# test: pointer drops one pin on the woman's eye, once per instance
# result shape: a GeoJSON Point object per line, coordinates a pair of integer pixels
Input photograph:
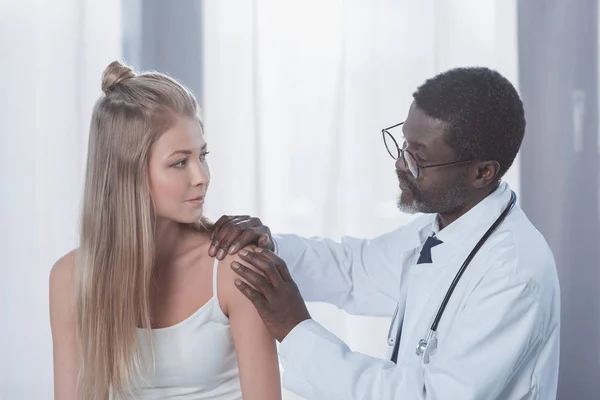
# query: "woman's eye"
{"type": "Point", "coordinates": [179, 164]}
{"type": "Point", "coordinates": [203, 156]}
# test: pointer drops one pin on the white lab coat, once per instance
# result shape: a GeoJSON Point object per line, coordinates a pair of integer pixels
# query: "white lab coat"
{"type": "Point", "coordinates": [498, 337]}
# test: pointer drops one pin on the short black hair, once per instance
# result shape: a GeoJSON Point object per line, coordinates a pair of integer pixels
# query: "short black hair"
{"type": "Point", "coordinates": [482, 110]}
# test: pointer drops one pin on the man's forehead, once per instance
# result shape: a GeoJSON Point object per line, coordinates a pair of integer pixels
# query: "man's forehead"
{"type": "Point", "coordinates": [427, 134]}
{"type": "Point", "coordinates": [422, 129]}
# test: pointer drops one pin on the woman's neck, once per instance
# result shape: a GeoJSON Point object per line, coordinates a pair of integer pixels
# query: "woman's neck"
{"type": "Point", "coordinates": [167, 237]}
{"type": "Point", "coordinates": [172, 240]}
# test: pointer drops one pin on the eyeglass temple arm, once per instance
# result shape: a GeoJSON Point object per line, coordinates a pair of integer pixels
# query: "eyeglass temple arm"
{"type": "Point", "coordinates": [449, 163]}
{"type": "Point", "coordinates": [393, 126]}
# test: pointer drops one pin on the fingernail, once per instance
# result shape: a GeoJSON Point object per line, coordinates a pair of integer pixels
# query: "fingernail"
{"type": "Point", "coordinates": [244, 253]}
{"type": "Point", "coordinates": [233, 249]}
{"type": "Point", "coordinates": [220, 254]}
{"type": "Point", "coordinates": [259, 249]}
{"type": "Point", "coordinates": [238, 282]}
{"type": "Point", "coordinates": [212, 249]}
{"type": "Point", "coordinates": [235, 265]}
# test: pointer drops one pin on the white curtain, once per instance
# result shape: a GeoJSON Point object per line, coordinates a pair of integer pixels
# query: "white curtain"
{"type": "Point", "coordinates": [296, 94]}
{"type": "Point", "coordinates": [53, 53]}
{"type": "Point", "coordinates": [295, 97]}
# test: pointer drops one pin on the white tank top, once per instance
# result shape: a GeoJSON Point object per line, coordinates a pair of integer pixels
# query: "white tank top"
{"type": "Point", "coordinates": [194, 359]}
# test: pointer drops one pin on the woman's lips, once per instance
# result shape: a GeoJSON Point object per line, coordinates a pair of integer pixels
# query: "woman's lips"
{"type": "Point", "coordinates": [197, 200]}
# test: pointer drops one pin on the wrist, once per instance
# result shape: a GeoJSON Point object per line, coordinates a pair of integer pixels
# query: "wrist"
{"type": "Point", "coordinates": [293, 326]}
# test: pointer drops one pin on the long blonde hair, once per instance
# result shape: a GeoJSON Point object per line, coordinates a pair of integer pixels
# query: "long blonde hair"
{"type": "Point", "coordinates": [116, 253]}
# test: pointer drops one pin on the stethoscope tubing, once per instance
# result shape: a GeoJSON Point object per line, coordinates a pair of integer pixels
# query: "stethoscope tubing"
{"type": "Point", "coordinates": [484, 238]}
{"type": "Point", "coordinates": [480, 243]}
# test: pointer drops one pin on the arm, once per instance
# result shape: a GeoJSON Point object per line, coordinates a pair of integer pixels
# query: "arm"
{"type": "Point", "coordinates": [501, 329]}
{"type": "Point", "coordinates": [62, 323]}
{"type": "Point", "coordinates": [358, 275]}
{"type": "Point", "coordinates": [255, 347]}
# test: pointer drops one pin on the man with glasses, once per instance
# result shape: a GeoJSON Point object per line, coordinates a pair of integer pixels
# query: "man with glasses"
{"type": "Point", "coordinates": [471, 284]}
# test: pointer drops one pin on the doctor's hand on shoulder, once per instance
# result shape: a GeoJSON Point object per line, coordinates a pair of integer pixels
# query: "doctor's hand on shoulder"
{"type": "Point", "coordinates": [234, 232]}
{"type": "Point", "coordinates": [272, 290]}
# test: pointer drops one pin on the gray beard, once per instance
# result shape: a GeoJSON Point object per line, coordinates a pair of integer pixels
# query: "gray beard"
{"type": "Point", "coordinates": [412, 208]}
{"type": "Point", "coordinates": [447, 199]}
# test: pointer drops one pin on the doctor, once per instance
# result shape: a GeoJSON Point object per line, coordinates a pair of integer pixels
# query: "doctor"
{"type": "Point", "coordinates": [471, 284]}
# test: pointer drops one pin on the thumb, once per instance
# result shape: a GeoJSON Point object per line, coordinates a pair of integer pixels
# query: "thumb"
{"type": "Point", "coordinates": [265, 241]}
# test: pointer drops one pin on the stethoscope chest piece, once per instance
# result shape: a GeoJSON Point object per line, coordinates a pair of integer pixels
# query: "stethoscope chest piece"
{"type": "Point", "coordinates": [427, 345]}
{"type": "Point", "coordinates": [421, 347]}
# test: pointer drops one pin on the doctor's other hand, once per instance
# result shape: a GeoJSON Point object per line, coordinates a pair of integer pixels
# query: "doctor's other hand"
{"type": "Point", "coordinates": [273, 293]}
{"type": "Point", "coordinates": [234, 232]}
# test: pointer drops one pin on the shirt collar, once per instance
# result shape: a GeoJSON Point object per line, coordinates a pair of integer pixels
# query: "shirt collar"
{"type": "Point", "coordinates": [473, 224]}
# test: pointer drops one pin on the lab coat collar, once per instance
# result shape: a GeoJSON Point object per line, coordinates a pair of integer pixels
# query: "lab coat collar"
{"type": "Point", "coordinates": [473, 224]}
{"type": "Point", "coordinates": [421, 228]}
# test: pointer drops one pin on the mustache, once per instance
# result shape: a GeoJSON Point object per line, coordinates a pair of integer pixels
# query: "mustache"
{"type": "Point", "coordinates": [405, 179]}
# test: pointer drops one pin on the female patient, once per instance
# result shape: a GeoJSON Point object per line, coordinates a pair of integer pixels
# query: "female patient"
{"type": "Point", "coordinates": [139, 309]}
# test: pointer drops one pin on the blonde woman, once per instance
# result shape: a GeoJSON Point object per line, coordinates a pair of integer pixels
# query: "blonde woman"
{"type": "Point", "coordinates": [139, 309]}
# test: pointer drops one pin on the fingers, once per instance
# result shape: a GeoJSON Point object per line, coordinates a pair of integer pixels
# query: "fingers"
{"type": "Point", "coordinates": [221, 221]}
{"type": "Point", "coordinates": [216, 232]}
{"type": "Point", "coordinates": [266, 242]}
{"type": "Point", "coordinates": [246, 238]}
{"type": "Point", "coordinates": [232, 233]}
{"type": "Point", "coordinates": [224, 237]}
{"type": "Point", "coordinates": [264, 265]}
{"type": "Point", "coordinates": [254, 278]}
{"type": "Point", "coordinates": [277, 262]}
{"type": "Point", "coordinates": [259, 301]}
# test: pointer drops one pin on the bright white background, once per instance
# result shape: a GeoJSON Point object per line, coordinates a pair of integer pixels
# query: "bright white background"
{"type": "Point", "coordinates": [53, 53]}
{"type": "Point", "coordinates": [296, 94]}
{"type": "Point", "coordinates": [295, 99]}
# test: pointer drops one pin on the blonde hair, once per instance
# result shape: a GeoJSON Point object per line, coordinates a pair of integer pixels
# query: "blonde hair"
{"type": "Point", "coordinates": [116, 253]}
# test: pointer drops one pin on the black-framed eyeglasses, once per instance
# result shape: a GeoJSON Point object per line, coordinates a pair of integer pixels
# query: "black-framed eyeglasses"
{"type": "Point", "coordinates": [410, 162]}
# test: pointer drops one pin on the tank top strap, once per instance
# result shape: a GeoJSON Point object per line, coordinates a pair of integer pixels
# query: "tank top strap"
{"type": "Point", "coordinates": [215, 270]}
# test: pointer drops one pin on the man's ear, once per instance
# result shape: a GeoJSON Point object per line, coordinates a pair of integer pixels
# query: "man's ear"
{"type": "Point", "coordinates": [487, 171]}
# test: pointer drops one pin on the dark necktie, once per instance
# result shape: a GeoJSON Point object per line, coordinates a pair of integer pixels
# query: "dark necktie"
{"type": "Point", "coordinates": [425, 257]}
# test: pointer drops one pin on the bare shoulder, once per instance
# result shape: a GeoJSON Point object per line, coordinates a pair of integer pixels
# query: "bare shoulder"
{"type": "Point", "coordinates": [63, 327]}
{"type": "Point", "coordinates": [62, 273]}
{"type": "Point", "coordinates": [227, 271]}
{"type": "Point", "coordinates": [229, 295]}
{"type": "Point", "coordinates": [62, 287]}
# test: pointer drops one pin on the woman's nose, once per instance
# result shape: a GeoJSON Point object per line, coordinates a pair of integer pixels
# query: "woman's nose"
{"type": "Point", "coordinates": [199, 174]}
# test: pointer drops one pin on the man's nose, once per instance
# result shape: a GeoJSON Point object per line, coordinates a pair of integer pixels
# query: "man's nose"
{"type": "Point", "coordinates": [400, 163]}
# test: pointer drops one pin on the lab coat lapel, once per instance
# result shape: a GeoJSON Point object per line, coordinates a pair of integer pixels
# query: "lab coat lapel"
{"type": "Point", "coordinates": [428, 283]}
{"type": "Point", "coordinates": [411, 245]}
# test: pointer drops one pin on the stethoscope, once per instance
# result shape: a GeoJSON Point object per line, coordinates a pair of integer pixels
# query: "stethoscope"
{"type": "Point", "coordinates": [429, 343]}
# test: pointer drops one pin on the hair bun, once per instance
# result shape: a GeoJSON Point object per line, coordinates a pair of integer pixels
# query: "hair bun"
{"type": "Point", "coordinates": [115, 72]}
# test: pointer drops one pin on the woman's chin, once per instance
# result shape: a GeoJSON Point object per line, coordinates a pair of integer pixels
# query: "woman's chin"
{"type": "Point", "coordinates": [187, 218]}
{"type": "Point", "coordinates": [192, 219]}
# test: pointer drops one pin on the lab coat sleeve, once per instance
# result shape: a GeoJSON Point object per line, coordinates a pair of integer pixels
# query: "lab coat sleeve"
{"type": "Point", "coordinates": [360, 276]}
{"type": "Point", "coordinates": [496, 332]}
